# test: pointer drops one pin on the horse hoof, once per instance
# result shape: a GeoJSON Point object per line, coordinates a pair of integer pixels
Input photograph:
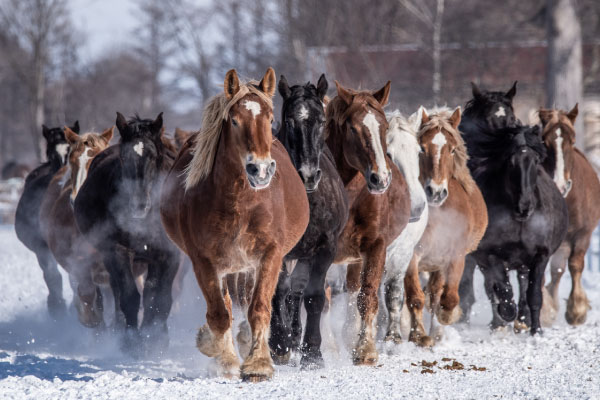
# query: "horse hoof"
{"type": "Point", "coordinates": [229, 366]}
{"type": "Point", "coordinates": [536, 331]}
{"type": "Point", "coordinates": [366, 355]}
{"type": "Point", "coordinates": [57, 307]}
{"type": "Point", "coordinates": [366, 360]}
{"type": "Point", "coordinates": [575, 318]}
{"type": "Point", "coordinates": [508, 311]}
{"type": "Point", "coordinates": [244, 339]}
{"type": "Point", "coordinates": [311, 359]}
{"type": "Point", "coordinates": [281, 359]}
{"type": "Point", "coordinates": [520, 327]}
{"type": "Point", "coordinates": [131, 343]}
{"type": "Point", "coordinates": [205, 342]}
{"type": "Point", "coordinates": [394, 338]}
{"type": "Point", "coordinates": [257, 370]}
{"type": "Point", "coordinates": [448, 317]}
{"type": "Point", "coordinates": [421, 340]}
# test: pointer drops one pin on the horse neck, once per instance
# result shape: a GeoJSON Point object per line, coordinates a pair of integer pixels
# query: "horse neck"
{"type": "Point", "coordinates": [227, 166]}
{"type": "Point", "coordinates": [336, 145]}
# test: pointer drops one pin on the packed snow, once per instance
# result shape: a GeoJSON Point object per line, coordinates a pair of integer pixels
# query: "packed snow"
{"type": "Point", "coordinates": [43, 359]}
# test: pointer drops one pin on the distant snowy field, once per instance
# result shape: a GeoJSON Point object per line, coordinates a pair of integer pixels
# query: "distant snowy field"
{"type": "Point", "coordinates": [40, 359]}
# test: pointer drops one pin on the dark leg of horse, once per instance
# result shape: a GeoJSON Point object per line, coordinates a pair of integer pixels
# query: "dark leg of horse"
{"type": "Point", "coordinates": [314, 302]}
{"type": "Point", "coordinates": [158, 298]}
{"type": "Point", "coordinates": [534, 291]}
{"type": "Point", "coordinates": [394, 300]}
{"type": "Point", "coordinates": [578, 304]}
{"type": "Point", "coordinates": [298, 282]}
{"type": "Point", "coordinates": [56, 303]}
{"type": "Point", "coordinates": [465, 289]}
{"type": "Point", "coordinates": [281, 331]}
{"type": "Point", "coordinates": [523, 321]}
{"type": "Point", "coordinates": [503, 292]}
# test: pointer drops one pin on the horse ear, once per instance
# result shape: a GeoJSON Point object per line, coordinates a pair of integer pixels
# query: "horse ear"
{"type": "Point", "coordinates": [75, 127]}
{"type": "Point", "coordinates": [383, 94]}
{"type": "Point", "coordinates": [45, 131]}
{"type": "Point", "coordinates": [416, 118]}
{"type": "Point", "coordinates": [424, 117]}
{"type": "Point", "coordinates": [181, 136]}
{"type": "Point", "coordinates": [512, 91]}
{"type": "Point", "coordinates": [232, 84]}
{"type": "Point", "coordinates": [108, 134]}
{"type": "Point", "coordinates": [573, 113]}
{"type": "Point", "coordinates": [455, 118]}
{"type": "Point", "coordinates": [121, 125]}
{"type": "Point", "coordinates": [284, 88]}
{"type": "Point", "coordinates": [545, 115]}
{"type": "Point", "coordinates": [70, 135]}
{"type": "Point", "coordinates": [475, 90]}
{"type": "Point", "coordinates": [158, 124]}
{"type": "Point", "coordinates": [322, 86]}
{"type": "Point", "coordinates": [267, 84]}
{"type": "Point", "coordinates": [344, 93]}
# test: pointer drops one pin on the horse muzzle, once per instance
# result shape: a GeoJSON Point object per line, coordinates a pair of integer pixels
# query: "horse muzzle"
{"type": "Point", "coordinates": [260, 172]}
{"type": "Point", "coordinates": [417, 212]}
{"type": "Point", "coordinates": [139, 209]}
{"type": "Point", "coordinates": [311, 181]}
{"type": "Point", "coordinates": [436, 195]}
{"type": "Point", "coordinates": [377, 183]}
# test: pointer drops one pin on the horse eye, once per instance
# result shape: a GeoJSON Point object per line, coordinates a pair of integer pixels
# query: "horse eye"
{"type": "Point", "coordinates": [453, 151]}
{"type": "Point", "coordinates": [234, 122]}
{"type": "Point", "coordinates": [422, 149]}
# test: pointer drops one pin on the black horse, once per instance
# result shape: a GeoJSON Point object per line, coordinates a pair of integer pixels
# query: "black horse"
{"type": "Point", "coordinates": [527, 217]}
{"type": "Point", "coordinates": [116, 210]}
{"type": "Point", "coordinates": [27, 221]}
{"type": "Point", "coordinates": [302, 134]}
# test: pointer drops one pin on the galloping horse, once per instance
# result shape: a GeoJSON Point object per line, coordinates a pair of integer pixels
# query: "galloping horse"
{"type": "Point", "coordinates": [27, 222]}
{"type": "Point", "coordinates": [380, 206]}
{"type": "Point", "coordinates": [58, 227]}
{"type": "Point", "coordinates": [457, 222]}
{"type": "Point", "coordinates": [234, 202]}
{"type": "Point", "coordinates": [578, 183]}
{"type": "Point", "coordinates": [302, 134]}
{"type": "Point", "coordinates": [528, 218]}
{"type": "Point", "coordinates": [404, 149]}
{"type": "Point", "coordinates": [117, 212]}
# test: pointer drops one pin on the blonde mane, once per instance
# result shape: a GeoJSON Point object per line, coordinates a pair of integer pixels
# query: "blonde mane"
{"type": "Point", "coordinates": [439, 118]}
{"type": "Point", "coordinates": [205, 144]}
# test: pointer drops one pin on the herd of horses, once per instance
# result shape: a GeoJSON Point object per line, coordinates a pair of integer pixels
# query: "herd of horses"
{"type": "Point", "coordinates": [411, 204]}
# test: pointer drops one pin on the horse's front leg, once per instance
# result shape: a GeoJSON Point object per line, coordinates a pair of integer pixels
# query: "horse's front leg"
{"type": "Point", "coordinates": [449, 312]}
{"type": "Point", "coordinates": [365, 352]}
{"type": "Point", "coordinates": [415, 299]}
{"type": "Point", "coordinates": [578, 304]}
{"type": "Point", "coordinates": [465, 289]}
{"type": "Point", "coordinates": [534, 291]}
{"type": "Point", "coordinates": [523, 321]}
{"type": "Point", "coordinates": [279, 341]}
{"type": "Point", "coordinates": [258, 366]}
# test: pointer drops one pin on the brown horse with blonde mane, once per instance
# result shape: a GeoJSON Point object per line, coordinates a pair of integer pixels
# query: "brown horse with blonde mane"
{"type": "Point", "coordinates": [379, 205]}
{"type": "Point", "coordinates": [234, 202]}
{"type": "Point", "coordinates": [57, 222]}
{"type": "Point", "coordinates": [578, 183]}
{"type": "Point", "coordinates": [457, 222]}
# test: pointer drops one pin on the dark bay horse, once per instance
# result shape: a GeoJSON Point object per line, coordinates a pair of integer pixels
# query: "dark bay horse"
{"type": "Point", "coordinates": [73, 253]}
{"type": "Point", "coordinates": [578, 182]}
{"type": "Point", "coordinates": [303, 135]}
{"type": "Point", "coordinates": [527, 217]}
{"type": "Point", "coordinates": [233, 202]}
{"type": "Point", "coordinates": [116, 210]}
{"type": "Point", "coordinates": [27, 223]}
{"type": "Point", "coordinates": [379, 203]}
{"type": "Point", "coordinates": [457, 221]}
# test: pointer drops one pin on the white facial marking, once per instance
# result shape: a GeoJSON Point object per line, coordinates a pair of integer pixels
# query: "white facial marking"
{"type": "Point", "coordinates": [82, 170]}
{"type": "Point", "coordinates": [500, 112]}
{"type": "Point", "coordinates": [372, 125]}
{"type": "Point", "coordinates": [439, 140]}
{"type": "Point", "coordinates": [559, 170]}
{"type": "Point", "coordinates": [253, 107]}
{"type": "Point", "coordinates": [62, 150]}
{"type": "Point", "coordinates": [139, 148]}
{"type": "Point", "coordinates": [303, 113]}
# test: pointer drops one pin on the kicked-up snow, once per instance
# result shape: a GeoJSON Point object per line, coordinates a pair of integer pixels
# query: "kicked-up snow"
{"type": "Point", "coordinates": [43, 359]}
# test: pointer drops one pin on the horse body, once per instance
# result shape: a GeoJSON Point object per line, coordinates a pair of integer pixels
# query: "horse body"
{"type": "Point", "coordinates": [27, 224]}
{"type": "Point", "coordinates": [457, 220]}
{"type": "Point", "coordinates": [379, 205]}
{"type": "Point", "coordinates": [302, 134]}
{"type": "Point", "coordinates": [116, 210]}
{"type": "Point", "coordinates": [578, 182]}
{"type": "Point", "coordinates": [59, 229]}
{"type": "Point", "coordinates": [231, 216]}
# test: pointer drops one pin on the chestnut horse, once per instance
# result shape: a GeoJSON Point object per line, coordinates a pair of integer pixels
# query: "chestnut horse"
{"type": "Point", "coordinates": [58, 227]}
{"type": "Point", "coordinates": [234, 202]}
{"type": "Point", "coordinates": [578, 183]}
{"type": "Point", "coordinates": [379, 205]}
{"type": "Point", "coordinates": [457, 222]}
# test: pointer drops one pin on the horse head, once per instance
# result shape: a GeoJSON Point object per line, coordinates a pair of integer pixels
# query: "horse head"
{"type": "Point", "coordinates": [495, 108]}
{"type": "Point", "coordinates": [302, 131]}
{"type": "Point", "coordinates": [57, 147]}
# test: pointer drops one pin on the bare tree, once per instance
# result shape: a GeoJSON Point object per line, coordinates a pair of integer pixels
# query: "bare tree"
{"type": "Point", "coordinates": [40, 26]}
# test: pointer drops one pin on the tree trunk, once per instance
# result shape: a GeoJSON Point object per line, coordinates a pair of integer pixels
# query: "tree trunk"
{"type": "Point", "coordinates": [564, 84]}
{"type": "Point", "coordinates": [38, 110]}
{"type": "Point", "coordinates": [437, 52]}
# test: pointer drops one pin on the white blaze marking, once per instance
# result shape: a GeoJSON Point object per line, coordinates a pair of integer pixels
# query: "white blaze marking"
{"type": "Point", "coordinates": [500, 112]}
{"type": "Point", "coordinates": [253, 107]}
{"type": "Point", "coordinates": [82, 171]}
{"type": "Point", "coordinates": [373, 127]}
{"type": "Point", "coordinates": [139, 148]}
{"type": "Point", "coordinates": [439, 140]}
{"type": "Point", "coordinates": [62, 150]}
{"type": "Point", "coordinates": [559, 171]}
{"type": "Point", "coordinates": [303, 113]}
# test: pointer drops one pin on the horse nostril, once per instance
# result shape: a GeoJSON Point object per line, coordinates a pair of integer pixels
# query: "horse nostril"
{"type": "Point", "coordinates": [428, 191]}
{"type": "Point", "coordinates": [444, 193]}
{"type": "Point", "coordinates": [375, 180]}
{"type": "Point", "coordinates": [318, 175]}
{"type": "Point", "coordinates": [251, 169]}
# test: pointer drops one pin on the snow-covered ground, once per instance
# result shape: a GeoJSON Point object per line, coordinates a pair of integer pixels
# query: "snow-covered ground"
{"type": "Point", "coordinates": [46, 360]}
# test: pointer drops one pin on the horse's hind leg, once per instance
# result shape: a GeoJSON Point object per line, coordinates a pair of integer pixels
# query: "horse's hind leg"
{"type": "Point", "coordinates": [523, 321]}
{"type": "Point", "coordinates": [558, 264]}
{"type": "Point", "coordinates": [258, 366]}
{"type": "Point", "coordinates": [56, 303]}
{"type": "Point", "coordinates": [416, 301]}
{"type": "Point", "coordinates": [465, 289]}
{"type": "Point", "coordinates": [578, 304]}
{"type": "Point", "coordinates": [298, 282]}
{"type": "Point", "coordinates": [435, 288]}
{"type": "Point", "coordinates": [279, 340]}
{"type": "Point", "coordinates": [449, 310]}
{"type": "Point", "coordinates": [394, 299]}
